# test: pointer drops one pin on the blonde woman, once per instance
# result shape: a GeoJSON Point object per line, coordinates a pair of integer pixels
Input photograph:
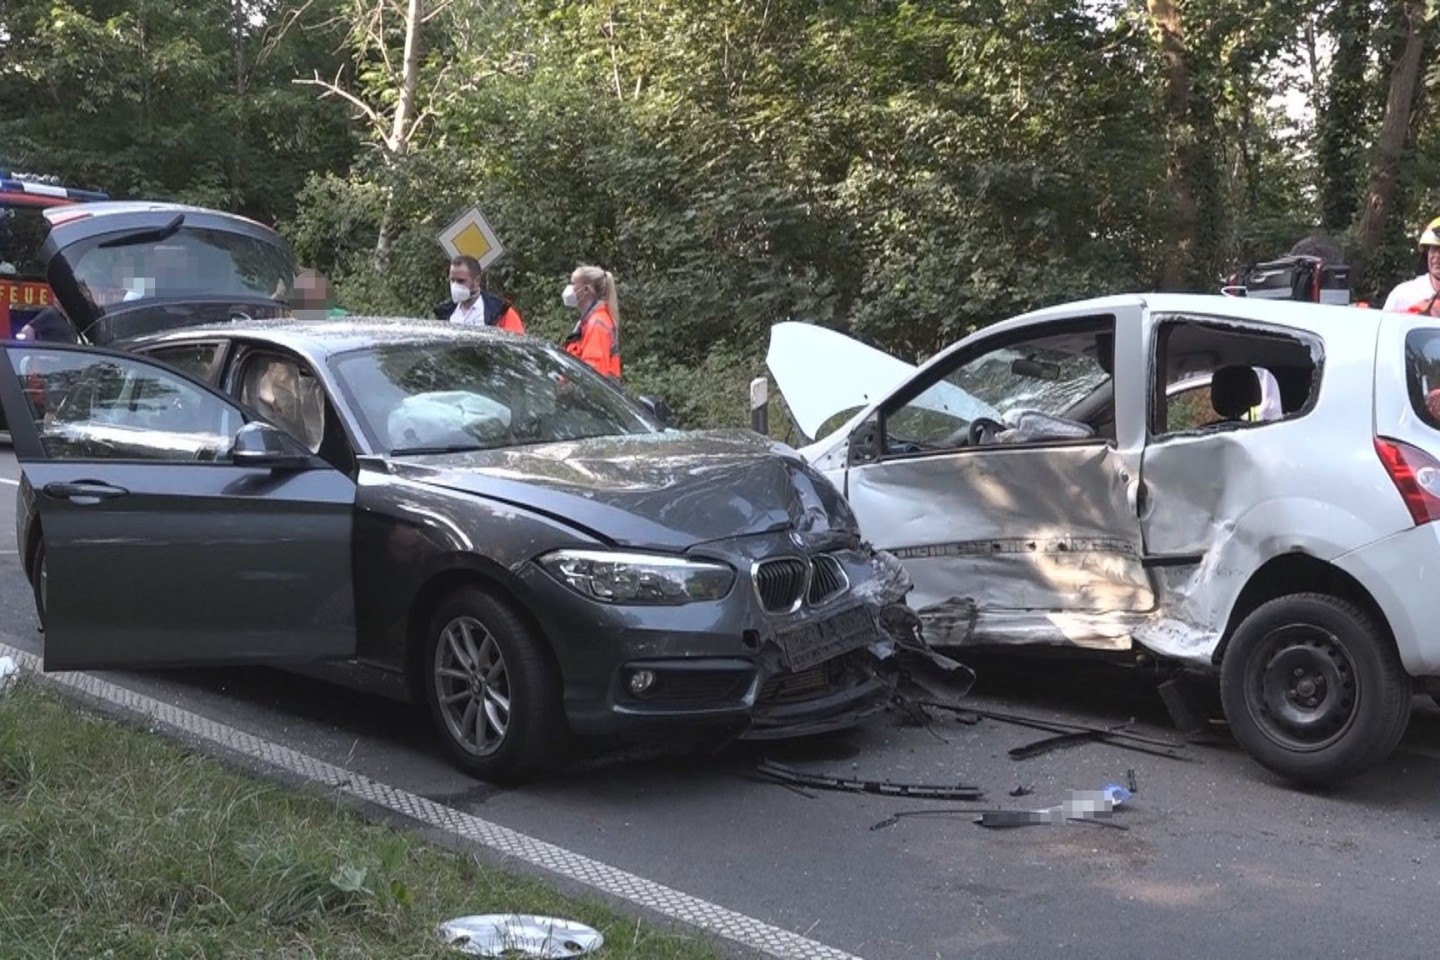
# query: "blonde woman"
{"type": "Point", "coordinates": [596, 337]}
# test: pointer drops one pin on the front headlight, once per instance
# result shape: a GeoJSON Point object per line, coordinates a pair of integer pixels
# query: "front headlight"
{"type": "Point", "coordinates": [639, 577]}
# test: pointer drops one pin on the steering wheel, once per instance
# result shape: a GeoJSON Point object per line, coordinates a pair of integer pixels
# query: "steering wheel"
{"type": "Point", "coordinates": [978, 431]}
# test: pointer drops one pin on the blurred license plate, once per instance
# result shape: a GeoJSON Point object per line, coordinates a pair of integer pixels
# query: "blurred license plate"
{"type": "Point", "coordinates": [805, 646]}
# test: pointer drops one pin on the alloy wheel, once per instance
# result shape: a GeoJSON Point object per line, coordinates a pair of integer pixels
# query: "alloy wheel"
{"type": "Point", "coordinates": [472, 686]}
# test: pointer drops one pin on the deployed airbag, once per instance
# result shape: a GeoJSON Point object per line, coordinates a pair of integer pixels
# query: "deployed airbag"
{"type": "Point", "coordinates": [444, 417]}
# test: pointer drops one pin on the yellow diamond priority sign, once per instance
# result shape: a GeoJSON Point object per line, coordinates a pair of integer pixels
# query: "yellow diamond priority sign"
{"type": "Point", "coordinates": [470, 235]}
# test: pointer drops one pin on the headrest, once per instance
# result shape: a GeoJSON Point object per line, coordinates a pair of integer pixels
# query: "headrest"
{"type": "Point", "coordinates": [1233, 391]}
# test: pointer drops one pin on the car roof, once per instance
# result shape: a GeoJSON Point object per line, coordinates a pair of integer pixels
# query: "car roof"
{"type": "Point", "coordinates": [1299, 314]}
{"type": "Point", "coordinates": [320, 338]}
{"type": "Point", "coordinates": [106, 208]}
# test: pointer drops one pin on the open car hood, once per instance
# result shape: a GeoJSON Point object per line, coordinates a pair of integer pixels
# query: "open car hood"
{"type": "Point", "coordinates": [125, 269]}
{"type": "Point", "coordinates": [666, 491]}
{"type": "Point", "coordinates": [822, 374]}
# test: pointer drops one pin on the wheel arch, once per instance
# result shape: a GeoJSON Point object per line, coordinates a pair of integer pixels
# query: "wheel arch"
{"type": "Point", "coordinates": [462, 571]}
{"type": "Point", "coordinates": [1294, 573]}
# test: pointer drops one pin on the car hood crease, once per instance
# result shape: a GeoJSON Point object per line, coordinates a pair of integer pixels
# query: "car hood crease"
{"type": "Point", "coordinates": [667, 491]}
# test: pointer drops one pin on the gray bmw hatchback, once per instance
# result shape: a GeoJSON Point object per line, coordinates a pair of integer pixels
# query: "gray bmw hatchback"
{"type": "Point", "coordinates": [472, 513]}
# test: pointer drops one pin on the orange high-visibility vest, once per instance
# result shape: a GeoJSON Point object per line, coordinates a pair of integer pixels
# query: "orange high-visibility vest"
{"type": "Point", "coordinates": [510, 320]}
{"type": "Point", "coordinates": [597, 341]}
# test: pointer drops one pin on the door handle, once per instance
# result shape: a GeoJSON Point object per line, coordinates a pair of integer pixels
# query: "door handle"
{"type": "Point", "coordinates": [81, 490]}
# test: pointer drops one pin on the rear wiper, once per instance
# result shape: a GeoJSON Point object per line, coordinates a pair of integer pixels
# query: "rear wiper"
{"type": "Point", "coordinates": [146, 236]}
{"type": "Point", "coordinates": [425, 451]}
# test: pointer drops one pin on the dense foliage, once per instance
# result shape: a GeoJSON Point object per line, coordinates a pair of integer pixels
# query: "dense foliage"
{"type": "Point", "coordinates": [903, 171]}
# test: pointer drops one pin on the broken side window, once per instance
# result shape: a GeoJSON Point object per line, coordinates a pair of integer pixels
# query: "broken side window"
{"type": "Point", "coordinates": [1215, 375]}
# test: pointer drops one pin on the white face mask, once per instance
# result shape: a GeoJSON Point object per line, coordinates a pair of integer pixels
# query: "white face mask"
{"type": "Point", "coordinates": [568, 296]}
{"type": "Point", "coordinates": [459, 293]}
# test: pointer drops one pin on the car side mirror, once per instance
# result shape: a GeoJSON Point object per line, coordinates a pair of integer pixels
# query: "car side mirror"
{"type": "Point", "coordinates": [262, 445]}
{"type": "Point", "coordinates": [864, 445]}
{"type": "Point", "coordinates": [658, 408]}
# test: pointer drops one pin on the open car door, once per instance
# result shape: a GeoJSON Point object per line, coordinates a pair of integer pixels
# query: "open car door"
{"type": "Point", "coordinates": [172, 533]}
{"type": "Point", "coordinates": [1004, 476]}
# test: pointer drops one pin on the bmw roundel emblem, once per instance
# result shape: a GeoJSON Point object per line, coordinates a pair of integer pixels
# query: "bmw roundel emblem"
{"type": "Point", "coordinates": [796, 539]}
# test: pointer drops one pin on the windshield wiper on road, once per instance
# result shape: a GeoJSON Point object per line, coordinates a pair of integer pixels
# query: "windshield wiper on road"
{"type": "Point", "coordinates": [425, 451]}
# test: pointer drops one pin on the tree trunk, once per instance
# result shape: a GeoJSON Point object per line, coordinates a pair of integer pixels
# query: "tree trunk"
{"type": "Point", "coordinates": [402, 126]}
{"type": "Point", "coordinates": [1165, 17]}
{"type": "Point", "coordinates": [237, 147]}
{"type": "Point", "coordinates": [1394, 133]}
{"type": "Point", "coordinates": [1341, 135]}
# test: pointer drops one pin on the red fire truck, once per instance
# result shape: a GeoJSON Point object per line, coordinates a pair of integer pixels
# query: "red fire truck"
{"type": "Point", "coordinates": [23, 290]}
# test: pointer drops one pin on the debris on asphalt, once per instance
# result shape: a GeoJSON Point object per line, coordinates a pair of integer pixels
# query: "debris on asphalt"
{"type": "Point", "coordinates": [9, 670]}
{"type": "Point", "coordinates": [1181, 707]}
{"type": "Point", "coordinates": [1071, 734]}
{"type": "Point", "coordinates": [790, 777]}
{"type": "Point", "coordinates": [1090, 806]}
{"type": "Point", "coordinates": [506, 934]}
{"type": "Point", "coordinates": [896, 817]}
{"type": "Point", "coordinates": [1022, 791]}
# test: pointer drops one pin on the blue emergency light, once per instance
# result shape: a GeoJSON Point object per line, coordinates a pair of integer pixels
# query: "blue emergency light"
{"type": "Point", "coordinates": [45, 186]}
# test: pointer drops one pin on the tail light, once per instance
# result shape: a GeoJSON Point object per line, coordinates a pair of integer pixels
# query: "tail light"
{"type": "Point", "coordinates": [1415, 474]}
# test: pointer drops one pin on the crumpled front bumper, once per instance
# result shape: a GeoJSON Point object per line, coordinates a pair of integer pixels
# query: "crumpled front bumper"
{"type": "Point", "coordinates": [732, 676]}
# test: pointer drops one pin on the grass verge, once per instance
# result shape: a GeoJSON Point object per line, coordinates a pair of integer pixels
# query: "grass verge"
{"type": "Point", "coordinates": [115, 843]}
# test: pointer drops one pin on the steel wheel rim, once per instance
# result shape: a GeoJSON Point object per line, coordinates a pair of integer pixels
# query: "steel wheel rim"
{"type": "Point", "coordinates": [472, 686]}
{"type": "Point", "coordinates": [1301, 688]}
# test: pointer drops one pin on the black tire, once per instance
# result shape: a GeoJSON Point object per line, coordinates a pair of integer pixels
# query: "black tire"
{"type": "Point", "coordinates": [38, 577]}
{"type": "Point", "coordinates": [505, 746]}
{"type": "Point", "coordinates": [1314, 690]}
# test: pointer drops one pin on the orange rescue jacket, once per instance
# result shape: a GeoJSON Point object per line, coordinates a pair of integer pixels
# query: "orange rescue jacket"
{"type": "Point", "coordinates": [596, 340]}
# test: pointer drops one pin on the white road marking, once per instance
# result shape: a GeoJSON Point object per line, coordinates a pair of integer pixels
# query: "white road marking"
{"type": "Point", "coordinates": [710, 917]}
{"type": "Point", "coordinates": [8, 481]}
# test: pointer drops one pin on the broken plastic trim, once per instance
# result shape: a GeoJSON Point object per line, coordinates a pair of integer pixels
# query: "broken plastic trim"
{"type": "Point", "coordinates": [789, 776]}
{"type": "Point", "coordinates": [1070, 733]}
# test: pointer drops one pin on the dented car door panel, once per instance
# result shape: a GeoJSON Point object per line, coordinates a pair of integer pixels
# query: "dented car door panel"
{"type": "Point", "coordinates": [1039, 543]}
{"type": "Point", "coordinates": [1221, 500]}
{"type": "Point", "coordinates": [1023, 541]}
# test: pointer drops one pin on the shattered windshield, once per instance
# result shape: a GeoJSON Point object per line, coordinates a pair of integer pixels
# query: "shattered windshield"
{"type": "Point", "coordinates": [477, 395]}
{"type": "Point", "coordinates": [1030, 378]}
{"type": "Point", "coordinates": [1047, 377]}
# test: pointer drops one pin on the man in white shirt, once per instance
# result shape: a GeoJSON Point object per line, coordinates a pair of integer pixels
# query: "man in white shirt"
{"type": "Point", "coordinates": [1421, 294]}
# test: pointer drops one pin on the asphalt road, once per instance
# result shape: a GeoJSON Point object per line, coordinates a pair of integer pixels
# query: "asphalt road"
{"type": "Point", "coordinates": [1219, 859]}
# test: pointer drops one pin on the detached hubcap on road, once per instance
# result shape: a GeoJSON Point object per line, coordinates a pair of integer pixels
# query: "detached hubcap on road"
{"type": "Point", "coordinates": [1303, 688]}
{"type": "Point", "coordinates": [472, 686]}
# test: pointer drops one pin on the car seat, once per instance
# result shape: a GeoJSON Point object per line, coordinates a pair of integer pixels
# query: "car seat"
{"type": "Point", "coordinates": [278, 391]}
{"type": "Point", "coordinates": [1234, 391]}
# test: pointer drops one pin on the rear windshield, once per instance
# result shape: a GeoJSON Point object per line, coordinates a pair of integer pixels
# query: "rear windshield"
{"type": "Point", "coordinates": [22, 231]}
{"type": "Point", "coordinates": [192, 263]}
{"type": "Point", "coordinates": [1422, 373]}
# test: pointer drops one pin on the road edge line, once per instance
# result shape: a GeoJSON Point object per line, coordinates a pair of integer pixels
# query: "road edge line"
{"type": "Point", "coordinates": [612, 882]}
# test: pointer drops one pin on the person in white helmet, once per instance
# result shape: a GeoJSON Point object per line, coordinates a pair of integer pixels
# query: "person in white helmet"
{"type": "Point", "coordinates": [1421, 294]}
